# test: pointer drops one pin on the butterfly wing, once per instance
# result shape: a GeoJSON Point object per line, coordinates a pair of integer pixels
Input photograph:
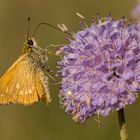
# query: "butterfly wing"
{"type": "Point", "coordinates": [24, 84]}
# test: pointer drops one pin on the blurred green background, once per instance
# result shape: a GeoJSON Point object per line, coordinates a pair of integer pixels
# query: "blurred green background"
{"type": "Point", "coordinates": [39, 122]}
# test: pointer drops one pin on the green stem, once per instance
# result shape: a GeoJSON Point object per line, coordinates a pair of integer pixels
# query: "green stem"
{"type": "Point", "coordinates": [122, 124]}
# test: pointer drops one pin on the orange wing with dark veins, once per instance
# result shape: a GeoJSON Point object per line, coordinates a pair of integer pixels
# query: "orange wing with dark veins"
{"type": "Point", "coordinates": [23, 84]}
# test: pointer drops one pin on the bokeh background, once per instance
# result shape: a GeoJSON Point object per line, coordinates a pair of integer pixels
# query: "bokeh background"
{"type": "Point", "coordinates": [39, 122]}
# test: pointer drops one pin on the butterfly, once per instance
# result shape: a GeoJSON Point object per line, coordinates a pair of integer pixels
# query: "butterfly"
{"type": "Point", "coordinates": [26, 81]}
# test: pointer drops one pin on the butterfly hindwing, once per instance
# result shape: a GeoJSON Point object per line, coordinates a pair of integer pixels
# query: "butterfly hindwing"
{"type": "Point", "coordinates": [23, 84]}
{"type": "Point", "coordinates": [42, 87]}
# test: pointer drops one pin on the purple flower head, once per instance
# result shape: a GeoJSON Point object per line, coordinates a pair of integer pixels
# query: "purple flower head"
{"type": "Point", "coordinates": [100, 69]}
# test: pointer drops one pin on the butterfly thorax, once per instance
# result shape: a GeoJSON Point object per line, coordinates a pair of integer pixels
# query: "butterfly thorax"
{"type": "Point", "coordinates": [36, 55]}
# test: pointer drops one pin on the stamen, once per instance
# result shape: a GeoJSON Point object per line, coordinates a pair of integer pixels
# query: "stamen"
{"type": "Point", "coordinates": [80, 16]}
{"type": "Point", "coordinates": [62, 27]}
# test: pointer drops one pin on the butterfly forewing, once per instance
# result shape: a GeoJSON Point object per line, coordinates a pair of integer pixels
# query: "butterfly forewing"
{"type": "Point", "coordinates": [7, 82]}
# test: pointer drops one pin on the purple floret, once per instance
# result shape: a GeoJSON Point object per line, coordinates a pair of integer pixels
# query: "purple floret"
{"type": "Point", "coordinates": [100, 69]}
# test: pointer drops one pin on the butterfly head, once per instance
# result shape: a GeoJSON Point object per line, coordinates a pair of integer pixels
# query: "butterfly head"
{"type": "Point", "coordinates": [30, 42]}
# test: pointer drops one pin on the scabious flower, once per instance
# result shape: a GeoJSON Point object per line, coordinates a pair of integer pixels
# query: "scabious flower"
{"type": "Point", "coordinates": [100, 69]}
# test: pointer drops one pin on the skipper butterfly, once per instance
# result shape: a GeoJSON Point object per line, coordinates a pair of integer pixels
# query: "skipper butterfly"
{"type": "Point", "coordinates": [26, 81]}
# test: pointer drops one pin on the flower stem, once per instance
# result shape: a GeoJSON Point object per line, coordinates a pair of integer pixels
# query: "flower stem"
{"type": "Point", "coordinates": [122, 124]}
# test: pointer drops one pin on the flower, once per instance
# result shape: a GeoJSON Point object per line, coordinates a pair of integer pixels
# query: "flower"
{"type": "Point", "coordinates": [100, 69]}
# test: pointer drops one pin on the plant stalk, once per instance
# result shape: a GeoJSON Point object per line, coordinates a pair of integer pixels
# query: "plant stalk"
{"type": "Point", "coordinates": [122, 125]}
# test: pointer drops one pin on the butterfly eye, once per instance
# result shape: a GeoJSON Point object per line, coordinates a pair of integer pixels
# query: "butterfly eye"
{"type": "Point", "coordinates": [30, 42]}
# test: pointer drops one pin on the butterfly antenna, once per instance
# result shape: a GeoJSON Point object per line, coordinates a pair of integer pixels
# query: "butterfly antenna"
{"type": "Point", "coordinates": [28, 27]}
{"type": "Point", "coordinates": [47, 24]}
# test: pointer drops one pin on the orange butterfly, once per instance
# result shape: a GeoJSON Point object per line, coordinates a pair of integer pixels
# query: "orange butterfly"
{"type": "Point", "coordinates": [26, 81]}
